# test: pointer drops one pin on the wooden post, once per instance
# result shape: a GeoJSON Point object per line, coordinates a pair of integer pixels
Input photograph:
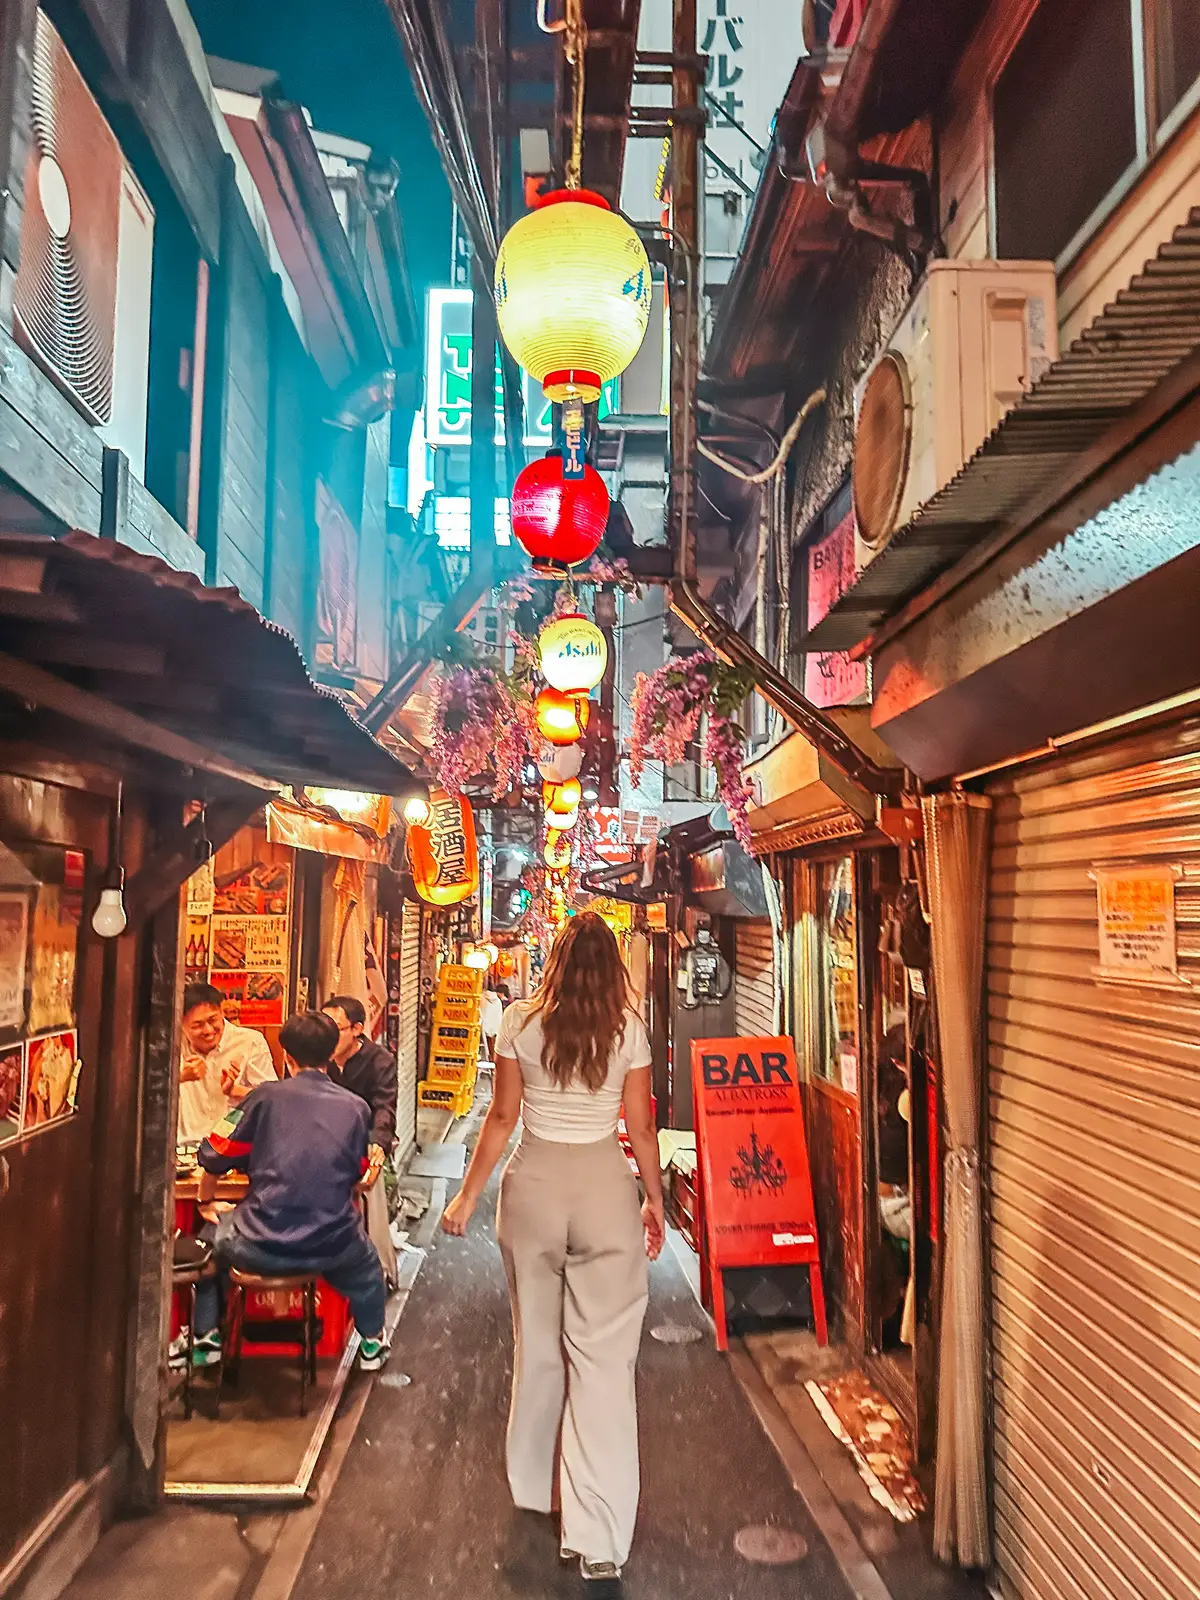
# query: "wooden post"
{"type": "Point", "coordinates": [154, 1217]}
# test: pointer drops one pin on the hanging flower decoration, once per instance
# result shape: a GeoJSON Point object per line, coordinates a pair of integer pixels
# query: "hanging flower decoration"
{"type": "Point", "coordinates": [668, 706]}
{"type": "Point", "coordinates": [481, 721]}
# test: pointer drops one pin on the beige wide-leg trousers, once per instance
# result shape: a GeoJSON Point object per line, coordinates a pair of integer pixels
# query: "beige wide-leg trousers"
{"type": "Point", "coordinates": [570, 1230]}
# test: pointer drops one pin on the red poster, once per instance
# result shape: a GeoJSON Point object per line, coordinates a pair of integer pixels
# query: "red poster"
{"type": "Point", "coordinates": [757, 1190]}
{"type": "Point", "coordinates": [830, 677]}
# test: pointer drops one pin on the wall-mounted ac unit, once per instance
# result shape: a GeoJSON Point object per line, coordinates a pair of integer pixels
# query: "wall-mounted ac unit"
{"type": "Point", "coordinates": [976, 336]}
{"type": "Point", "coordinates": [81, 300]}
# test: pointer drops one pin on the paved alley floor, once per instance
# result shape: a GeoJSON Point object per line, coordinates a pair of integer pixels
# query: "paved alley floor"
{"type": "Point", "coordinates": [421, 1508]}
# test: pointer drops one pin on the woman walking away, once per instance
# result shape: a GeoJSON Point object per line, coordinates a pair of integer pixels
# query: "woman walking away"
{"type": "Point", "coordinates": [573, 1241]}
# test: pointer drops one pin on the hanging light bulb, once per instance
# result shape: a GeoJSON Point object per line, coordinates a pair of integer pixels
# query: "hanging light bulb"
{"type": "Point", "coordinates": [573, 653]}
{"type": "Point", "coordinates": [558, 521]}
{"type": "Point", "coordinates": [416, 810]}
{"type": "Point", "coordinates": [109, 919]}
{"type": "Point", "coordinates": [561, 718]}
{"type": "Point", "coordinates": [573, 288]}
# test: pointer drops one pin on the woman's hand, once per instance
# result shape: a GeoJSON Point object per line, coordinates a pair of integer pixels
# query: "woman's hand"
{"type": "Point", "coordinates": [655, 1226]}
{"type": "Point", "coordinates": [457, 1215]}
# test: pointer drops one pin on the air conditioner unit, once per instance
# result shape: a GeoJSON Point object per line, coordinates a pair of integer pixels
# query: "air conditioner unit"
{"type": "Point", "coordinates": [81, 299]}
{"type": "Point", "coordinates": [976, 336]}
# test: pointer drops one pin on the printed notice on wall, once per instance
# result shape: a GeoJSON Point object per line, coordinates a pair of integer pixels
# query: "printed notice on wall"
{"type": "Point", "coordinates": [1135, 908]}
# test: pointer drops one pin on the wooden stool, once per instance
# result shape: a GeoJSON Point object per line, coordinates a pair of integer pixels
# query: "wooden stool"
{"type": "Point", "coordinates": [240, 1282]}
{"type": "Point", "coordinates": [191, 1261]}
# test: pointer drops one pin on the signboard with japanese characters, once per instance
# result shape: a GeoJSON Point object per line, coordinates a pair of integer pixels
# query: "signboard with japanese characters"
{"type": "Point", "coordinates": [752, 47]}
{"type": "Point", "coordinates": [756, 1188]}
{"type": "Point", "coordinates": [831, 678]}
{"type": "Point", "coordinates": [1135, 909]}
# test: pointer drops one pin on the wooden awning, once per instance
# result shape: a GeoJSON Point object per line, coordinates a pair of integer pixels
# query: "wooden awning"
{"type": "Point", "coordinates": [117, 656]}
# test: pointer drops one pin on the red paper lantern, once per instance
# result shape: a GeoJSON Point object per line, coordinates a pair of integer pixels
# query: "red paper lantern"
{"type": "Point", "coordinates": [442, 851]}
{"type": "Point", "coordinates": [562, 718]}
{"type": "Point", "coordinates": [558, 520]}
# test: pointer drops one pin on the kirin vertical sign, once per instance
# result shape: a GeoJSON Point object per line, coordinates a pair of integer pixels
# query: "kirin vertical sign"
{"type": "Point", "coordinates": [756, 1190]}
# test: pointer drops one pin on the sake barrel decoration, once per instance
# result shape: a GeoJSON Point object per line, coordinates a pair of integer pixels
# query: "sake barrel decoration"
{"type": "Point", "coordinates": [558, 521]}
{"type": "Point", "coordinates": [573, 287]}
{"type": "Point", "coordinates": [561, 718]}
{"type": "Point", "coordinates": [573, 653]}
{"type": "Point", "coordinates": [442, 853]}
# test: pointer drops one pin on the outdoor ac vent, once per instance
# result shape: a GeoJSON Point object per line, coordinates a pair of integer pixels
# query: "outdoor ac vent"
{"type": "Point", "coordinates": [976, 336]}
{"type": "Point", "coordinates": [882, 444]}
{"type": "Point", "coordinates": [65, 296]}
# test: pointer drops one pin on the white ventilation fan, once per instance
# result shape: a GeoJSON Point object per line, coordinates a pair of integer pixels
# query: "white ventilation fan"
{"type": "Point", "coordinates": [81, 300]}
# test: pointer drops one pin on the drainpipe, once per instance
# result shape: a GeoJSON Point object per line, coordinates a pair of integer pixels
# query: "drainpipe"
{"type": "Point", "coordinates": [686, 600]}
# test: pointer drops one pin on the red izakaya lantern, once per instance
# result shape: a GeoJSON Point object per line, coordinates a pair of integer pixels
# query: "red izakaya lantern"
{"type": "Point", "coordinates": [559, 521]}
{"type": "Point", "coordinates": [562, 718]}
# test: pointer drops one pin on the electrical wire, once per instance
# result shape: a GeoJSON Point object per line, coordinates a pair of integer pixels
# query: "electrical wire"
{"type": "Point", "coordinates": [549, 27]}
{"type": "Point", "coordinates": [785, 448]}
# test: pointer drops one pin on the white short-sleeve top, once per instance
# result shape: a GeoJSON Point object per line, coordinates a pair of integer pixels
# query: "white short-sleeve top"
{"type": "Point", "coordinates": [575, 1114]}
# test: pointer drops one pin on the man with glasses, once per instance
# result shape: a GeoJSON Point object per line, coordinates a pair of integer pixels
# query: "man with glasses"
{"type": "Point", "coordinates": [370, 1072]}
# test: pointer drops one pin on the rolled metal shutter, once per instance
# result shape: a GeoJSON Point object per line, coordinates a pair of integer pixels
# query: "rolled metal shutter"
{"type": "Point", "coordinates": [1094, 1175]}
{"type": "Point", "coordinates": [410, 1002]}
{"type": "Point", "coordinates": [754, 980]}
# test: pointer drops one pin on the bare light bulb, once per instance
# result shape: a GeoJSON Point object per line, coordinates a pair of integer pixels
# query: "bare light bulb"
{"type": "Point", "coordinates": [416, 810]}
{"type": "Point", "coordinates": [477, 959]}
{"type": "Point", "coordinates": [109, 919]}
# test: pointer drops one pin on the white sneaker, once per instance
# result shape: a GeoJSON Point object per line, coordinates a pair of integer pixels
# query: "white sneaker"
{"type": "Point", "coordinates": [599, 1571]}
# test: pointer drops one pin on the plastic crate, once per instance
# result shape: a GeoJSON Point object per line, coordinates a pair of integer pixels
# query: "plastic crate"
{"type": "Point", "coordinates": [460, 981]}
{"type": "Point", "coordinates": [457, 1011]}
{"type": "Point", "coordinates": [451, 1069]}
{"type": "Point", "coordinates": [451, 1041]}
{"type": "Point", "coordinates": [465, 1099]}
{"type": "Point", "coordinates": [441, 1096]}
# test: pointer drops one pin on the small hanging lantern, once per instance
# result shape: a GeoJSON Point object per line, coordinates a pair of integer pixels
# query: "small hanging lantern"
{"type": "Point", "coordinates": [573, 653]}
{"type": "Point", "coordinates": [562, 797]}
{"type": "Point", "coordinates": [563, 821]}
{"type": "Point", "coordinates": [562, 718]}
{"type": "Point", "coordinates": [573, 289]}
{"type": "Point", "coordinates": [557, 763]}
{"type": "Point", "coordinates": [557, 852]}
{"type": "Point", "coordinates": [442, 852]}
{"type": "Point", "coordinates": [558, 521]}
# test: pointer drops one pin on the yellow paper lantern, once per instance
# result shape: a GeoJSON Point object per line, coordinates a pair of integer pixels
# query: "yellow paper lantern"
{"type": "Point", "coordinates": [561, 718]}
{"type": "Point", "coordinates": [562, 797]}
{"type": "Point", "coordinates": [573, 289]}
{"type": "Point", "coordinates": [563, 821]}
{"type": "Point", "coordinates": [557, 852]}
{"type": "Point", "coordinates": [573, 653]}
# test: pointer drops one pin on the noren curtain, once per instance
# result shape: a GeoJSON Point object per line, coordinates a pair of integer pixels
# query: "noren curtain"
{"type": "Point", "coordinates": [956, 839]}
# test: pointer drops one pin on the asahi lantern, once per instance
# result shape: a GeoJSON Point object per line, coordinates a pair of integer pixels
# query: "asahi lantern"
{"type": "Point", "coordinates": [573, 653]}
{"type": "Point", "coordinates": [442, 852]}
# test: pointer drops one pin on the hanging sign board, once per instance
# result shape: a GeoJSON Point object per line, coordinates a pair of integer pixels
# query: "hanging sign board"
{"type": "Point", "coordinates": [756, 1190]}
{"type": "Point", "coordinates": [1135, 911]}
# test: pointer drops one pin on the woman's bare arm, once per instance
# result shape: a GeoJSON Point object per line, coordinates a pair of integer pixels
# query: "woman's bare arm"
{"type": "Point", "coordinates": [503, 1116]}
{"type": "Point", "coordinates": [643, 1137]}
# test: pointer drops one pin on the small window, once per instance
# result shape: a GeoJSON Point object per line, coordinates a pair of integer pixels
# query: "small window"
{"type": "Point", "coordinates": [1065, 123]}
{"type": "Point", "coordinates": [1176, 25]}
{"type": "Point", "coordinates": [837, 1053]}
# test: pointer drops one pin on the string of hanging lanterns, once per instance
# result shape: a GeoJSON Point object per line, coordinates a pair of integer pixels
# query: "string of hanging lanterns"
{"type": "Point", "coordinates": [573, 294]}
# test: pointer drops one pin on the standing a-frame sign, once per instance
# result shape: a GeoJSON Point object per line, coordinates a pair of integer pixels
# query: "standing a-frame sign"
{"type": "Point", "coordinates": [756, 1190]}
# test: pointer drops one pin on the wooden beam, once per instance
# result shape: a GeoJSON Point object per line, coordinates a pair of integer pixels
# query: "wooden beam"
{"type": "Point", "coordinates": [27, 682]}
{"type": "Point", "coordinates": [177, 854]}
{"type": "Point", "coordinates": [60, 648]}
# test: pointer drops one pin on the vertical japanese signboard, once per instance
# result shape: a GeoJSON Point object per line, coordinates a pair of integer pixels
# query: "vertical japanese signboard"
{"type": "Point", "coordinates": [752, 47]}
{"type": "Point", "coordinates": [831, 678]}
{"type": "Point", "coordinates": [756, 1189]}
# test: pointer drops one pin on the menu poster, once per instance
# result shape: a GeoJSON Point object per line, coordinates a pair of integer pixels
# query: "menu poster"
{"type": "Point", "coordinates": [263, 890]}
{"type": "Point", "coordinates": [53, 1078]}
{"type": "Point", "coordinates": [12, 1092]}
{"type": "Point", "coordinates": [56, 921]}
{"type": "Point", "coordinates": [14, 951]}
{"type": "Point", "coordinates": [255, 999]}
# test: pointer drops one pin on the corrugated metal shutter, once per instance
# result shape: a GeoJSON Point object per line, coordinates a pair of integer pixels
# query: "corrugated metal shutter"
{"type": "Point", "coordinates": [754, 979]}
{"type": "Point", "coordinates": [410, 1001]}
{"type": "Point", "coordinates": [1094, 1167]}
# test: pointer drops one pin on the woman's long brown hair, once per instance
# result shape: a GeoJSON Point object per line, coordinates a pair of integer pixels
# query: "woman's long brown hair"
{"type": "Point", "coordinates": [582, 1002]}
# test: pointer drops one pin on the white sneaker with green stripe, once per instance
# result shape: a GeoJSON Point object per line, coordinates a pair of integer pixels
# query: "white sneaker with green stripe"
{"type": "Point", "coordinates": [372, 1353]}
